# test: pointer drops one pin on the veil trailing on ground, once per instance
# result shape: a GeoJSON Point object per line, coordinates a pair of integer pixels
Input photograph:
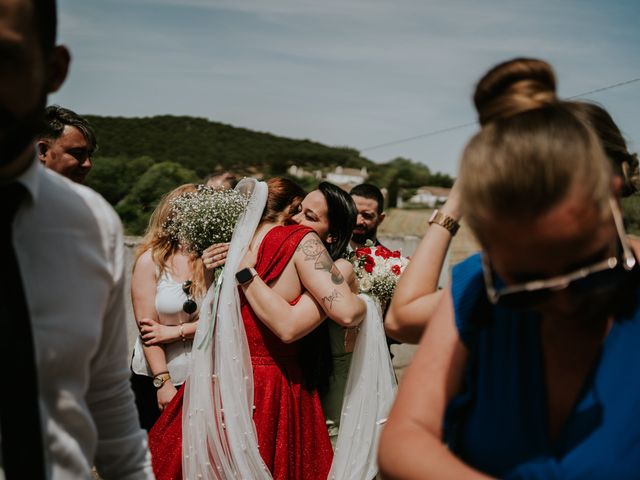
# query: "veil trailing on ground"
{"type": "Point", "coordinates": [370, 390]}
{"type": "Point", "coordinates": [219, 438]}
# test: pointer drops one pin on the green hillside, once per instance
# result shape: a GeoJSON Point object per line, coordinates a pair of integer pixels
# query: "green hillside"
{"type": "Point", "coordinates": [204, 146]}
{"type": "Point", "coordinates": [140, 159]}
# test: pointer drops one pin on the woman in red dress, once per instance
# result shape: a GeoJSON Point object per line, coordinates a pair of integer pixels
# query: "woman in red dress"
{"type": "Point", "coordinates": [289, 424]}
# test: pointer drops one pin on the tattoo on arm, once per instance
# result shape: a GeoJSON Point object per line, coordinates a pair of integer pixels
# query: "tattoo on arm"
{"type": "Point", "coordinates": [324, 262]}
{"type": "Point", "coordinates": [314, 250]}
{"type": "Point", "coordinates": [334, 296]}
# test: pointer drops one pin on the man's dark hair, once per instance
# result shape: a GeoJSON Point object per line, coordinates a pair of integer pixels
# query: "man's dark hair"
{"type": "Point", "coordinates": [57, 117]}
{"type": "Point", "coordinates": [45, 17]}
{"type": "Point", "coordinates": [367, 190]}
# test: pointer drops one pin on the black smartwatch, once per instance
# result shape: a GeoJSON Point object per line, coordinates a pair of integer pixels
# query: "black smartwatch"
{"type": "Point", "coordinates": [245, 275]}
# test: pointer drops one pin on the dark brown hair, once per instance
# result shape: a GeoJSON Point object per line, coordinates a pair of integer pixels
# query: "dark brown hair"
{"type": "Point", "coordinates": [371, 192]}
{"type": "Point", "coordinates": [57, 117]}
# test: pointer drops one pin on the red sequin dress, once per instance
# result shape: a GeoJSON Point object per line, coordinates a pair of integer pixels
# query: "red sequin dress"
{"type": "Point", "coordinates": [292, 435]}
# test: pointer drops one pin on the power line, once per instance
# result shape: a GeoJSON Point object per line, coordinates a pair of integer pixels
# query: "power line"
{"type": "Point", "coordinates": [608, 87]}
{"type": "Point", "coordinates": [465, 125]}
{"type": "Point", "coordinates": [428, 134]}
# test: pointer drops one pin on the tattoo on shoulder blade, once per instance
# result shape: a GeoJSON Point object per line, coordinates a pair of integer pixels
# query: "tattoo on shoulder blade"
{"type": "Point", "coordinates": [329, 300]}
{"type": "Point", "coordinates": [314, 250]}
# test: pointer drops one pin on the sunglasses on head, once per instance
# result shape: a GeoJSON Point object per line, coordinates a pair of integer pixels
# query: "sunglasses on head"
{"type": "Point", "coordinates": [189, 306]}
{"type": "Point", "coordinates": [604, 275]}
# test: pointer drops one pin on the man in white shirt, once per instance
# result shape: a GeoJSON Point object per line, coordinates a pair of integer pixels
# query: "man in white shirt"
{"type": "Point", "coordinates": [66, 272]}
{"type": "Point", "coordinates": [66, 143]}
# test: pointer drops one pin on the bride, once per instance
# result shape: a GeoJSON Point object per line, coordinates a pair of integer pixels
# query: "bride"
{"type": "Point", "coordinates": [252, 367]}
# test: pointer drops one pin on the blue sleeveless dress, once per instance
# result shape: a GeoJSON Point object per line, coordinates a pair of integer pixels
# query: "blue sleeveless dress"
{"type": "Point", "coordinates": [498, 423]}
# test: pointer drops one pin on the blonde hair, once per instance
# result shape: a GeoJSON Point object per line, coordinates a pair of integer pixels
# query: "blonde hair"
{"type": "Point", "coordinates": [162, 246]}
{"type": "Point", "coordinates": [531, 150]}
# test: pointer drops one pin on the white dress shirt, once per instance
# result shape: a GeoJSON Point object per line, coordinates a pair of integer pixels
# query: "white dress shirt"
{"type": "Point", "coordinates": [69, 246]}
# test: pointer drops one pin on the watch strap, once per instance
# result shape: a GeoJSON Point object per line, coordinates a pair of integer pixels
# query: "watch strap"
{"type": "Point", "coordinates": [445, 221]}
{"type": "Point", "coordinates": [160, 379]}
{"type": "Point", "coordinates": [245, 275]}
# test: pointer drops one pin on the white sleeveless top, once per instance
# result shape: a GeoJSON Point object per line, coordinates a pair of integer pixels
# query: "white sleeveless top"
{"type": "Point", "coordinates": [169, 300]}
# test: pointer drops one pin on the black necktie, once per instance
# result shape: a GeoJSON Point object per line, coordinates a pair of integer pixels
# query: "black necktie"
{"type": "Point", "coordinates": [22, 451]}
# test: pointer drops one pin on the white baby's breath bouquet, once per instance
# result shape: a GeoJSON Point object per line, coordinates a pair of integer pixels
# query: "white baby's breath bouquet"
{"type": "Point", "coordinates": [205, 216]}
{"type": "Point", "coordinates": [378, 270]}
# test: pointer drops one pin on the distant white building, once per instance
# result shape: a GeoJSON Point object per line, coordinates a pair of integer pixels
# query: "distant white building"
{"type": "Point", "coordinates": [296, 171]}
{"type": "Point", "coordinates": [300, 172]}
{"type": "Point", "coordinates": [348, 176]}
{"type": "Point", "coordinates": [430, 196]}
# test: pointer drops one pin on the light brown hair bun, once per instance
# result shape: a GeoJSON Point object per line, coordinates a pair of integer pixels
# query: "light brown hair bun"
{"type": "Point", "coordinates": [513, 87]}
{"type": "Point", "coordinates": [531, 151]}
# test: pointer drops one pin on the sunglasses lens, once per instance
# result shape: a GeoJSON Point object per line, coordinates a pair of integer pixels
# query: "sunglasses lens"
{"type": "Point", "coordinates": [603, 281]}
{"type": "Point", "coordinates": [525, 299]}
{"type": "Point", "coordinates": [189, 306]}
{"type": "Point", "coordinates": [186, 287]}
{"type": "Point", "coordinates": [597, 282]}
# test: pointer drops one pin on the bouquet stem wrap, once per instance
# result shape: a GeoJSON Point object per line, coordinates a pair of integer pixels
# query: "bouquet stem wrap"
{"type": "Point", "coordinates": [211, 317]}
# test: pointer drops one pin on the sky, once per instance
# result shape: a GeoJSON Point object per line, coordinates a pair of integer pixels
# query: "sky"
{"type": "Point", "coordinates": [356, 73]}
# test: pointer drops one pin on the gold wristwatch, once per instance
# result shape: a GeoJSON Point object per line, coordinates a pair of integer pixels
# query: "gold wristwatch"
{"type": "Point", "coordinates": [445, 221]}
{"type": "Point", "coordinates": [160, 379]}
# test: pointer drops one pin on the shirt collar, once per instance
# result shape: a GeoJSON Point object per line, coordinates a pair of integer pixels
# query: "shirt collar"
{"type": "Point", "coordinates": [376, 243]}
{"type": "Point", "coordinates": [30, 178]}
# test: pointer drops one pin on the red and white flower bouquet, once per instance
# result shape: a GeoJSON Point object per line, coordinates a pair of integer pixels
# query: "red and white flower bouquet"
{"type": "Point", "coordinates": [378, 270]}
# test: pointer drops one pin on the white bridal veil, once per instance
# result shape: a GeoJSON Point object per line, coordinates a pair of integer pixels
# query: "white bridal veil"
{"type": "Point", "coordinates": [218, 434]}
{"type": "Point", "coordinates": [370, 390]}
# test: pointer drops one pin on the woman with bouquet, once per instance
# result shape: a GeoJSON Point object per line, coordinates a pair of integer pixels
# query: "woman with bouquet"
{"type": "Point", "coordinates": [166, 286]}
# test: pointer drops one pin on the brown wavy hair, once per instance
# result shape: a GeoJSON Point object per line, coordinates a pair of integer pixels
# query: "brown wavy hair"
{"type": "Point", "coordinates": [283, 200]}
{"type": "Point", "coordinates": [163, 246]}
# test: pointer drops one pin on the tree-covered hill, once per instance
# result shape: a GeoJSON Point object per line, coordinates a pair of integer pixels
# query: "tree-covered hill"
{"type": "Point", "coordinates": [141, 159]}
{"type": "Point", "coordinates": [204, 146]}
